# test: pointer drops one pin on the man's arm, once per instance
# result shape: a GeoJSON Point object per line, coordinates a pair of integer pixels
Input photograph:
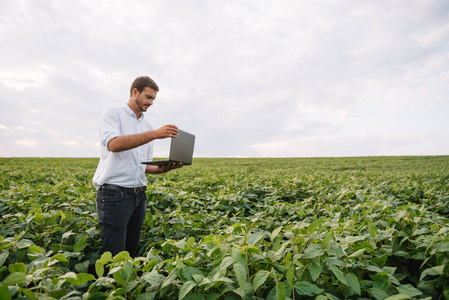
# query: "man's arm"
{"type": "Point", "coordinates": [127, 142]}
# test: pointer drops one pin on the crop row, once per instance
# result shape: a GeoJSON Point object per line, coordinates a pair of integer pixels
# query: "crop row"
{"type": "Point", "coordinates": [374, 228]}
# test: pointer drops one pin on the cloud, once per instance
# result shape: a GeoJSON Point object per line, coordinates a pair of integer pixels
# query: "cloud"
{"type": "Point", "coordinates": [251, 78]}
{"type": "Point", "coordinates": [30, 143]}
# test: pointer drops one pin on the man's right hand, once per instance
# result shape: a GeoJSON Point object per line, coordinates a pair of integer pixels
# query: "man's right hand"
{"type": "Point", "coordinates": [126, 142]}
{"type": "Point", "coordinates": [166, 131]}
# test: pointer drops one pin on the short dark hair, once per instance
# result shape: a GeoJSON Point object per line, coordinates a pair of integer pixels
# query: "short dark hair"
{"type": "Point", "coordinates": [142, 82]}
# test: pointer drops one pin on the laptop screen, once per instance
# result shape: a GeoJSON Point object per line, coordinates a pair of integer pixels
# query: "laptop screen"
{"type": "Point", "coordinates": [181, 148]}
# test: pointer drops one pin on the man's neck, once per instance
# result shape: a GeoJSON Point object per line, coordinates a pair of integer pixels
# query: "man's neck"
{"type": "Point", "coordinates": [136, 110]}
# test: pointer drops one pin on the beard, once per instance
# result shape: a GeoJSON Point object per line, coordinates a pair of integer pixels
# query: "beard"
{"type": "Point", "coordinates": [141, 106]}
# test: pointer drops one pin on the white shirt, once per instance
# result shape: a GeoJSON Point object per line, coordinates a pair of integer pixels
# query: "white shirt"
{"type": "Point", "coordinates": [122, 168]}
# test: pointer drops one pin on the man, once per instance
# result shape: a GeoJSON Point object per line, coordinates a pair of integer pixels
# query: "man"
{"type": "Point", "coordinates": [120, 177]}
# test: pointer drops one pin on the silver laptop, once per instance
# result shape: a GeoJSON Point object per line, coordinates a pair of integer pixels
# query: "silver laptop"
{"type": "Point", "coordinates": [181, 150]}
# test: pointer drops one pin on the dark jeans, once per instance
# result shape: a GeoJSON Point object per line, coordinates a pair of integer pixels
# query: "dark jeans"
{"type": "Point", "coordinates": [121, 215]}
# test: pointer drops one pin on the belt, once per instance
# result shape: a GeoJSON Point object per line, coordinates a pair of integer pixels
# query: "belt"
{"type": "Point", "coordinates": [123, 189]}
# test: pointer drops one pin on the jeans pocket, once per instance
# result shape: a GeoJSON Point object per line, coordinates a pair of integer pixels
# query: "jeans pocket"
{"type": "Point", "coordinates": [109, 205]}
{"type": "Point", "coordinates": [111, 196]}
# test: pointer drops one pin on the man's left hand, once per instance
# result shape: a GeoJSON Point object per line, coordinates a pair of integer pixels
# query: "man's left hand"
{"type": "Point", "coordinates": [168, 167]}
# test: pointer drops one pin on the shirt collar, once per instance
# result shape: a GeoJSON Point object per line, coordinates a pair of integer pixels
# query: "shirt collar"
{"type": "Point", "coordinates": [130, 112]}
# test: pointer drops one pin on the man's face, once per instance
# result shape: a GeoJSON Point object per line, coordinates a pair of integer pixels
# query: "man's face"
{"type": "Point", "coordinates": [144, 99]}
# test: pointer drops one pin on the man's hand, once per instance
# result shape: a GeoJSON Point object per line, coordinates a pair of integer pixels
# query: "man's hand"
{"type": "Point", "coordinates": [166, 131]}
{"type": "Point", "coordinates": [169, 167]}
{"type": "Point", "coordinates": [162, 168]}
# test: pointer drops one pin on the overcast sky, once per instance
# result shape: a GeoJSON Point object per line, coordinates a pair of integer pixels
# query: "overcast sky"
{"type": "Point", "coordinates": [248, 78]}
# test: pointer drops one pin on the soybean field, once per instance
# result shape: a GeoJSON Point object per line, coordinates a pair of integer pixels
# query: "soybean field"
{"type": "Point", "coordinates": [233, 228]}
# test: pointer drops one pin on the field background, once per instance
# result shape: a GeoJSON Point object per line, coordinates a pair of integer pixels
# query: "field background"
{"type": "Point", "coordinates": [234, 228]}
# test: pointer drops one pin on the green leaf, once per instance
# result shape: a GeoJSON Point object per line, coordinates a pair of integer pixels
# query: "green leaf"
{"type": "Point", "coordinates": [14, 278]}
{"type": "Point", "coordinates": [82, 267]}
{"type": "Point", "coordinates": [153, 278]}
{"type": "Point", "coordinates": [35, 249]}
{"type": "Point", "coordinates": [246, 291]}
{"type": "Point", "coordinates": [4, 293]}
{"type": "Point", "coordinates": [357, 253]}
{"type": "Point", "coordinates": [313, 251]}
{"type": "Point", "coordinates": [260, 279]}
{"type": "Point", "coordinates": [186, 288]}
{"type": "Point", "coordinates": [335, 261]}
{"type": "Point", "coordinates": [17, 268]}
{"type": "Point", "coordinates": [237, 255]}
{"type": "Point", "coordinates": [78, 247]}
{"type": "Point", "coordinates": [380, 260]}
{"type": "Point", "coordinates": [91, 231]}
{"type": "Point", "coordinates": [99, 264]}
{"type": "Point", "coordinates": [374, 269]}
{"type": "Point", "coordinates": [60, 257]}
{"type": "Point", "coordinates": [408, 289]}
{"type": "Point", "coordinates": [187, 272]}
{"type": "Point", "coordinates": [335, 250]}
{"type": "Point", "coordinates": [117, 273]}
{"type": "Point", "coordinates": [200, 279]}
{"type": "Point", "coordinates": [305, 288]}
{"type": "Point", "coordinates": [169, 279]}
{"type": "Point", "coordinates": [275, 233]}
{"type": "Point", "coordinates": [290, 275]}
{"type": "Point", "coordinates": [149, 266]}
{"type": "Point", "coordinates": [381, 281]}
{"type": "Point", "coordinates": [338, 274]}
{"type": "Point", "coordinates": [121, 256]}
{"type": "Point", "coordinates": [77, 279]}
{"type": "Point", "coordinates": [354, 283]}
{"type": "Point", "coordinates": [97, 296]}
{"type": "Point", "coordinates": [105, 258]}
{"type": "Point", "coordinates": [146, 296]}
{"type": "Point", "coordinates": [280, 291]}
{"type": "Point", "coordinates": [24, 244]}
{"type": "Point", "coordinates": [82, 278]}
{"type": "Point", "coordinates": [378, 293]}
{"type": "Point", "coordinates": [280, 253]}
{"type": "Point", "coordinates": [213, 296]}
{"type": "Point", "coordinates": [28, 293]}
{"type": "Point", "coordinates": [225, 263]}
{"type": "Point", "coordinates": [328, 238]}
{"type": "Point", "coordinates": [118, 292]}
{"type": "Point", "coordinates": [255, 237]}
{"type": "Point", "coordinates": [67, 234]}
{"type": "Point", "coordinates": [443, 247]}
{"type": "Point", "coordinates": [240, 273]}
{"type": "Point", "coordinates": [434, 271]}
{"type": "Point", "coordinates": [372, 229]}
{"type": "Point", "coordinates": [3, 256]}
{"type": "Point", "coordinates": [190, 242]}
{"type": "Point", "coordinates": [398, 297]}
{"type": "Point", "coordinates": [127, 271]}
{"type": "Point", "coordinates": [312, 227]}
{"type": "Point", "coordinates": [224, 279]}
{"type": "Point", "coordinates": [315, 268]}
{"type": "Point", "coordinates": [194, 296]}
{"type": "Point", "coordinates": [99, 269]}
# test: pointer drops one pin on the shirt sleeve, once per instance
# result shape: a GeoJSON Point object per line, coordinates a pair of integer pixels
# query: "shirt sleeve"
{"type": "Point", "coordinates": [110, 126]}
